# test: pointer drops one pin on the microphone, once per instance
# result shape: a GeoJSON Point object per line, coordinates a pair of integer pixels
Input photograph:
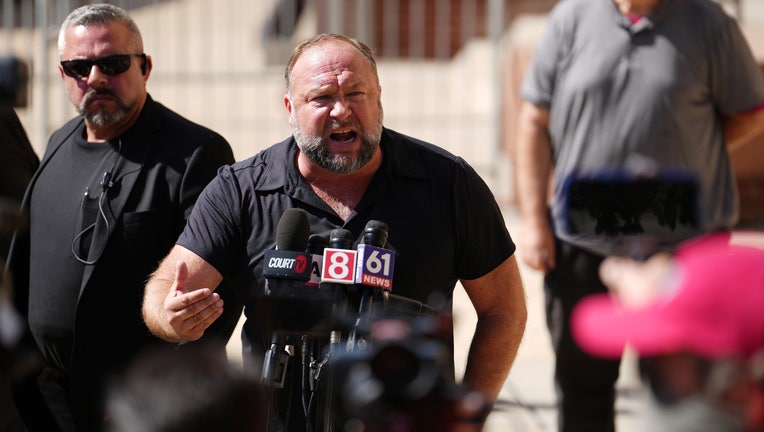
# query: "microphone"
{"type": "Point", "coordinates": [285, 269]}
{"type": "Point", "coordinates": [339, 260]}
{"type": "Point", "coordinates": [316, 245]}
{"type": "Point", "coordinates": [106, 182]}
{"type": "Point", "coordinates": [338, 271]}
{"type": "Point", "coordinates": [340, 238]}
{"type": "Point", "coordinates": [374, 265]}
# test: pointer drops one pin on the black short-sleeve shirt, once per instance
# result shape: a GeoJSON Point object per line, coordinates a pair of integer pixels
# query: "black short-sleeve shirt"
{"type": "Point", "coordinates": [444, 223]}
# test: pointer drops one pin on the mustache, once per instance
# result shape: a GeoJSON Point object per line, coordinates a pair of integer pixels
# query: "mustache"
{"type": "Point", "coordinates": [92, 93]}
{"type": "Point", "coordinates": [334, 124]}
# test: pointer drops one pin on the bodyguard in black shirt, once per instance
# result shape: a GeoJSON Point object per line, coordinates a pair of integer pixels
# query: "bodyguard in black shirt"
{"type": "Point", "coordinates": [111, 195]}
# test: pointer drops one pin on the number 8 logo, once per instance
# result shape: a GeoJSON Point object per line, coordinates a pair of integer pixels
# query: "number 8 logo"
{"type": "Point", "coordinates": [339, 266]}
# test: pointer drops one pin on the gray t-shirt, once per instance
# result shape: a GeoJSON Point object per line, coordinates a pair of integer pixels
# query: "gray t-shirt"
{"type": "Point", "coordinates": [657, 88]}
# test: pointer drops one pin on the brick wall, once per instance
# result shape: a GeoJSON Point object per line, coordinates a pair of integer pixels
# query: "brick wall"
{"type": "Point", "coordinates": [421, 36]}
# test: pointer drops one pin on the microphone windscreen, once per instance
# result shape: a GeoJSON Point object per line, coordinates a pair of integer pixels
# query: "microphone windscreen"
{"type": "Point", "coordinates": [340, 238]}
{"type": "Point", "coordinates": [316, 244]}
{"type": "Point", "coordinates": [375, 233]}
{"type": "Point", "coordinates": [292, 231]}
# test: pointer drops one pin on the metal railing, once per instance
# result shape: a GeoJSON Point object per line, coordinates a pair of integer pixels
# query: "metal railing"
{"type": "Point", "coordinates": [442, 64]}
{"type": "Point", "coordinates": [220, 63]}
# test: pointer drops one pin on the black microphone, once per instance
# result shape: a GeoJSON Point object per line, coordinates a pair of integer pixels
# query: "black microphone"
{"type": "Point", "coordinates": [340, 238]}
{"type": "Point", "coordinates": [406, 306]}
{"type": "Point", "coordinates": [375, 233]}
{"type": "Point", "coordinates": [316, 245]}
{"type": "Point", "coordinates": [338, 276]}
{"type": "Point", "coordinates": [339, 260]}
{"type": "Point", "coordinates": [287, 268]}
{"type": "Point", "coordinates": [106, 182]}
{"type": "Point", "coordinates": [374, 265]}
{"type": "Point", "coordinates": [375, 269]}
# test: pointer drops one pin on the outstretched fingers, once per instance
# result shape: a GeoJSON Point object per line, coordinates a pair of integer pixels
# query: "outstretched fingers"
{"type": "Point", "coordinates": [190, 313]}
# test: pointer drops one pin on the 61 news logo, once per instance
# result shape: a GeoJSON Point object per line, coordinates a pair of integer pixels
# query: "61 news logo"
{"type": "Point", "coordinates": [370, 266]}
{"type": "Point", "coordinates": [374, 267]}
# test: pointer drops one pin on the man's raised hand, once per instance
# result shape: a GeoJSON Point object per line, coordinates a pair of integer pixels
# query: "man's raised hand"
{"type": "Point", "coordinates": [190, 313]}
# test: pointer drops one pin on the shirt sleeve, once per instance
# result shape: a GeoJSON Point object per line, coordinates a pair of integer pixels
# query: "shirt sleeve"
{"type": "Point", "coordinates": [484, 241]}
{"type": "Point", "coordinates": [202, 166]}
{"type": "Point", "coordinates": [737, 83]}
{"type": "Point", "coordinates": [212, 230]}
{"type": "Point", "coordinates": [539, 81]}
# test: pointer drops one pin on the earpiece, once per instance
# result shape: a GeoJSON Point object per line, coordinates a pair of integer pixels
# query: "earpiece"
{"type": "Point", "coordinates": [144, 67]}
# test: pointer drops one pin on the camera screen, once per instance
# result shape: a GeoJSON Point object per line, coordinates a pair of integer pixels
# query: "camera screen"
{"type": "Point", "coordinates": [616, 205]}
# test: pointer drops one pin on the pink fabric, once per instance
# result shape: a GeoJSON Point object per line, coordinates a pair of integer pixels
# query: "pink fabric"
{"type": "Point", "coordinates": [633, 18]}
{"type": "Point", "coordinates": [716, 310]}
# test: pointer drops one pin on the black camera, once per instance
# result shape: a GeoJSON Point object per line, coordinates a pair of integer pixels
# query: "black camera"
{"type": "Point", "coordinates": [633, 211]}
{"type": "Point", "coordinates": [400, 382]}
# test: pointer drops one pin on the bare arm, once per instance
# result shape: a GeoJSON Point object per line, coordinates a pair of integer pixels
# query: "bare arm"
{"type": "Point", "coordinates": [179, 303]}
{"type": "Point", "coordinates": [499, 300]}
{"type": "Point", "coordinates": [744, 129]}
{"type": "Point", "coordinates": [533, 165]}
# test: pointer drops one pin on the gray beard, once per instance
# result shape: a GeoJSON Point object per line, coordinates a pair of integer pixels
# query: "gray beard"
{"type": "Point", "coordinates": [103, 117]}
{"type": "Point", "coordinates": [317, 150]}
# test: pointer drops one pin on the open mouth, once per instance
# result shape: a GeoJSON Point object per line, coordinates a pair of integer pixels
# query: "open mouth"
{"type": "Point", "coordinates": [343, 136]}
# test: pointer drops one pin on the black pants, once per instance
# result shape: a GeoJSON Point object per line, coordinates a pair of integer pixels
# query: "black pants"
{"type": "Point", "coordinates": [585, 385]}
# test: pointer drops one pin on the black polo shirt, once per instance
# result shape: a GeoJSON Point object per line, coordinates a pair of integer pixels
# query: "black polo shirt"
{"type": "Point", "coordinates": [444, 222]}
{"type": "Point", "coordinates": [444, 225]}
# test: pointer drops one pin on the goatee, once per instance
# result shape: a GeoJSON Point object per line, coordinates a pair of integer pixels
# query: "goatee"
{"type": "Point", "coordinates": [102, 116]}
{"type": "Point", "coordinates": [316, 149]}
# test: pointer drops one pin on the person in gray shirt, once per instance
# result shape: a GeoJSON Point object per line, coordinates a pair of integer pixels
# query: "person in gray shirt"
{"type": "Point", "coordinates": [669, 82]}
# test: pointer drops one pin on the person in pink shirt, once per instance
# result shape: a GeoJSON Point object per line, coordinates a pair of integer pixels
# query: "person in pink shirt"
{"type": "Point", "coordinates": [696, 320]}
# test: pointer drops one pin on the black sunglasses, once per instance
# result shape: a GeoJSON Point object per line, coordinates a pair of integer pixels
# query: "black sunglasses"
{"type": "Point", "coordinates": [109, 65]}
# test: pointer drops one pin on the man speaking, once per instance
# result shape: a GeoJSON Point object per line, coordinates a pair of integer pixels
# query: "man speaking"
{"type": "Point", "coordinates": [343, 168]}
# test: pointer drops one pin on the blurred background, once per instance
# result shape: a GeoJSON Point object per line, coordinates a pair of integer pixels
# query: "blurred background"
{"type": "Point", "coordinates": [449, 69]}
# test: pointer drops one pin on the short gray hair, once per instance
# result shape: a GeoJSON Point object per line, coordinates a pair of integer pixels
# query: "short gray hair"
{"type": "Point", "coordinates": [319, 39]}
{"type": "Point", "coordinates": [99, 14]}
